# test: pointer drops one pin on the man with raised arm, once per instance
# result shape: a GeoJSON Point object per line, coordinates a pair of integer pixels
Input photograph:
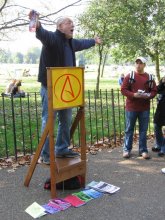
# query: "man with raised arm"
{"type": "Point", "coordinates": [58, 50]}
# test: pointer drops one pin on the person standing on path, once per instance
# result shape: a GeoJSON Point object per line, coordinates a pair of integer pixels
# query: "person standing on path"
{"type": "Point", "coordinates": [139, 90]}
{"type": "Point", "coordinates": [159, 119]}
{"type": "Point", "coordinates": [58, 50]}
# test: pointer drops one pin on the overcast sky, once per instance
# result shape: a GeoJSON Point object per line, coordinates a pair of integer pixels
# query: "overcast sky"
{"type": "Point", "coordinates": [26, 40]}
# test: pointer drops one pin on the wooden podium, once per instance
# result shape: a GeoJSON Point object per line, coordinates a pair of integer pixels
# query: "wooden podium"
{"type": "Point", "coordinates": [65, 90]}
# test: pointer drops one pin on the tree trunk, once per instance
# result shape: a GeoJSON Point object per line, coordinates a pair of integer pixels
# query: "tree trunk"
{"type": "Point", "coordinates": [99, 72]}
{"type": "Point", "coordinates": [104, 60]}
{"type": "Point", "coordinates": [98, 80]}
{"type": "Point", "coordinates": [157, 65]}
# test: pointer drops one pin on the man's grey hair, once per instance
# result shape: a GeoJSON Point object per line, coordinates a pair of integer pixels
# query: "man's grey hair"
{"type": "Point", "coordinates": [62, 20]}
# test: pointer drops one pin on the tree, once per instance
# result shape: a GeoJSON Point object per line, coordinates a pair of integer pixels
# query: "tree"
{"type": "Point", "coordinates": [134, 27]}
{"type": "Point", "coordinates": [32, 55]}
{"type": "Point", "coordinates": [95, 21]}
{"type": "Point", "coordinates": [14, 16]}
{"type": "Point", "coordinates": [142, 24]}
{"type": "Point", "coordinates": [18, 57]}
{"type": "Point", "coordinates": [5, 56]}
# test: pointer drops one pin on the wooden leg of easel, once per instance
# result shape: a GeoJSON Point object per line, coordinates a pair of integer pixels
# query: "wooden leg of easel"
{"type": "Point", "coordinates": [51, 119]}
{"type": "Point", "coordinates": [83, 135]}
{"type": "Point", "coordinates": [53, 181]}
{"type": "Point", "coordinates": [83, 143]}
{"type": "Point", "coordinates": [53, 167]}
{"type": "Point", "coordinates": [53, 170]}
{"type": "Point", "coordinates": [36, 156]}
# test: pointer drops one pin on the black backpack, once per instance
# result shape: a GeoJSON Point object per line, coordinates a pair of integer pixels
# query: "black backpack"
{"type": "Point", "coordinates": [69, 184]}
{"type": "Point", "coordinates": [132, 80]}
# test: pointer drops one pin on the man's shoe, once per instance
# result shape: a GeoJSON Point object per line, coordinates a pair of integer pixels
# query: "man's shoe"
{"type": "Point", "coordinates": [155, 149]}
{"type": "Point", "coordinates": [46, 160]}
{"type": "Point", "coordinates": [161, 154]}
{"type": "Point", "coordinates": [126, 155]}
{"type": "Point", "coordinates": [145, 155]}
{"type": "Point", "coordinates": [40, 160]}
{"type": "Point", "coordinates": [68, 154]}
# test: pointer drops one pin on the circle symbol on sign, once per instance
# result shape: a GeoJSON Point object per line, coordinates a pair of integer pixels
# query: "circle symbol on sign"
{"type": "Point", "coordinates": [67, 88]}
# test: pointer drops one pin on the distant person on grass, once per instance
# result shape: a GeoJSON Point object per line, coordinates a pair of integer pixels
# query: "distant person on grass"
{"type": "Point", "coordinates": [121, 79]}
{"type": "Point", "coordinates": [138, 91]}
{"type": "Point", "coordinates": [159, 120]}
{"type": "Point", "coordinates": [13, 87]}
{"type": "Point", "coordinates": [58, 50]}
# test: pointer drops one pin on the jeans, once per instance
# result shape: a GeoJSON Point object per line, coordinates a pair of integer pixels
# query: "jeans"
{"type": "Point", "coordinates": [143, 119]}
{"type": "Point", "coordinates": [160, 140]}
{"type": "Point", "coordinates": [64, 123]}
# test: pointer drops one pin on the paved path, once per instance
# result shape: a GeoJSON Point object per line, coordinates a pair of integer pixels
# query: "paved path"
{"type": "Point", "coordinates": [141, 197]}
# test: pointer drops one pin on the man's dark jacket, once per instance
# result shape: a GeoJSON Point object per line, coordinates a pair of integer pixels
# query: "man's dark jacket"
{"type": "Point", "coordinates": [52, 54]}
{"type": "Point", "coordinates": [159, 117]}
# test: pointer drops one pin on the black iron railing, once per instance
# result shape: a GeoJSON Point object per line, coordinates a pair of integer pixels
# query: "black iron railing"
{"type": "Point", "coordinates": [20, 121]}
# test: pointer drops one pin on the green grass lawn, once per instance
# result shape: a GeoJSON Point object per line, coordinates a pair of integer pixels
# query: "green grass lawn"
{"type": "Point", "coordinates": [20, 119]}
{"type": "Point", "coordinates": [30, 84]}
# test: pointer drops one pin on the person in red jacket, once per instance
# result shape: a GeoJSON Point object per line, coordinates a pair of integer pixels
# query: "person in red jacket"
{"type": "Point", "coordinates": [139, 91]}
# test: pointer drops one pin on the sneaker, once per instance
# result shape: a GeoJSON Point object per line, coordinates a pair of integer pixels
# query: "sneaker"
{"type": "Point", "coordinates": [46, 160]}
{"type": "Point", "coordinates": [126, 155]}
{"type": "Point", "coordinates": [145, 155]}
{"type": "Point", "coordinates": [161, 154]}
{"type": "Point", "coordinates": [163, 170]}
{"type": "Point", "coordinates": [40, 160]}
{"type": "Point", "coordinates": [155, 149]}
{"type": "Point", "coordinates": [68, 154]}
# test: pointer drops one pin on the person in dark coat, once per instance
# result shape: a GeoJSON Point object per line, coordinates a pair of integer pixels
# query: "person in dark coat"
{"type": "Point", "coordinates": [58, 50]}
{"type": "Point", "coordinates": [159, 119]}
